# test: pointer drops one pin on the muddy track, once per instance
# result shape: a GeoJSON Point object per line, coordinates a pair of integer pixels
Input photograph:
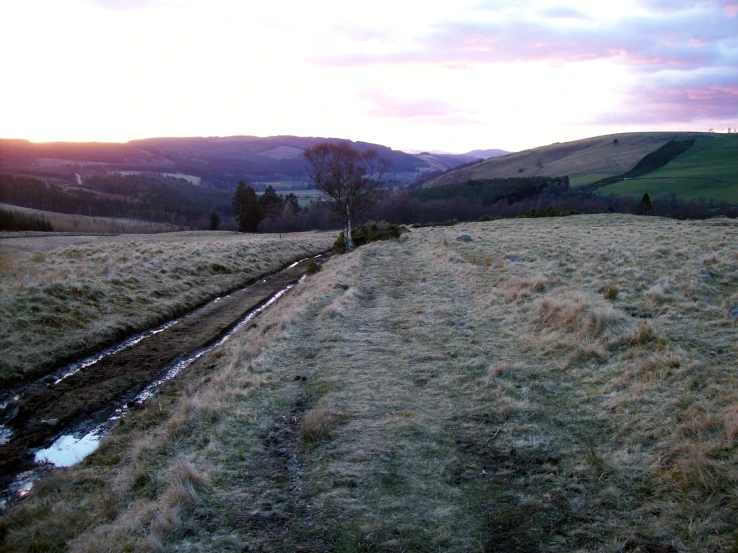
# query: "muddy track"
{"type": "Point", "coordinates": [44, 410]}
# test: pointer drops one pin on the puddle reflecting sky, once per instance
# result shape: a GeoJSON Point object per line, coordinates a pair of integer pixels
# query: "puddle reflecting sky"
{"type": "Point", "coordinates": [68, 450]}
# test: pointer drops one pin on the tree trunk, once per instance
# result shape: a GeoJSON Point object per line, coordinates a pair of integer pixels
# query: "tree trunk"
{"type": "Point", "coordinates": [348, 239]}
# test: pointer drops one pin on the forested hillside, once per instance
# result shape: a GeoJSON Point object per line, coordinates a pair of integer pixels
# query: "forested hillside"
{"type": "Point", "coordinates": [135, 197]}
{"type": "Point", "coordinates": [220, 162]}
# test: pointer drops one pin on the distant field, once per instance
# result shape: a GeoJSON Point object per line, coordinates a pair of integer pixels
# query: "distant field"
{"type": "Point", "coordinates": [61, 222]}
{"type": "Point", "coordinates": [560, 385]}
{"type": "Point", "coordinates": [283, 185]}
{"type": "Point", "coordinates": [709, 168]}
{"type": "Point", "coordinates": [66, 295]}
{"type": "Point", "coordinates": [304, 196]}
{"type": "Point", "coordinates": [583, 180]}
{"type": "Point", "coordinates": [189, 178]}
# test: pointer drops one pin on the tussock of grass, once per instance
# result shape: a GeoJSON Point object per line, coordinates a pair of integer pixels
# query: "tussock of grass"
{"type": "Point", "coordinates": [318, 424]}
{"type": "Point", "coordinates": [611, 292]}
{"type": "Point", "coordinates": [577, 315]}
{"type": "Point", "coordinates": [558, 421]}
{"type": "Point", "coordinates": [641, 334]}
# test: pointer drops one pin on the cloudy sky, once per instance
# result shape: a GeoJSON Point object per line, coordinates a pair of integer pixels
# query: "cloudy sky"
{"type": "Point", "coordinates": [423, 74]}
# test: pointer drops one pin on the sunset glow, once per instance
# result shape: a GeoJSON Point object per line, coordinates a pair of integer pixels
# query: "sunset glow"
{"type": "Point", "coordinates": [409, 74]}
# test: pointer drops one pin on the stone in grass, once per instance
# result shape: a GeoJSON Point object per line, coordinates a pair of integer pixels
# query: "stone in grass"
{"type": "Point", "coordinates": [704, 273]}
{"type": "Point", "coordinates": [515, 260]}
{"type": "Point", "coordinates": [734, 312]}
{"type": "Point", "coordinates": [341, 285]}
{"type": "Point", "coordinates": [464, 238]}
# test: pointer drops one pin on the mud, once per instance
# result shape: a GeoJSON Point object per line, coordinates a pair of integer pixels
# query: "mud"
{"type": "Point", "coordinates": [92, 394]}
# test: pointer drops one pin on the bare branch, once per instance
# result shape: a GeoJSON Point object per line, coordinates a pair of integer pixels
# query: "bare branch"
{"type": "Point", "coordinates": [351, 179]}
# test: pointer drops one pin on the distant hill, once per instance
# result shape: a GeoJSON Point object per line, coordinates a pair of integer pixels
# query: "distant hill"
{"type": "Point", "coordinates": [707, 167]}
{"type": "Point", "coordinates": [582, 160]}
{"type": "Point", "coordinates": [486, 154]}
{"type": "Point", "coordinates": [219, 161]}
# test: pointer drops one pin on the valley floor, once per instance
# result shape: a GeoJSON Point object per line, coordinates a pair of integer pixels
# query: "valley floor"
{"type": "Point", "coordinates": [551, 385]}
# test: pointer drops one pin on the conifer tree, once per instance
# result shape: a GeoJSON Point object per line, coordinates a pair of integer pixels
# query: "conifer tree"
{"type": "Point", "coordinates": [245, 207]}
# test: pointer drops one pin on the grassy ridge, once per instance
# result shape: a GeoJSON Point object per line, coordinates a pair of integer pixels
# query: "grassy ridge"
{"type": "Point", "coordinates": [59, 302]}
{"type": "Point", "coordinates": [650, 162]}
{"type": "Point", "coordinates": [553, 385]}
{"type": "Point", "coordinates": [709, 168]}
{"type": "Point", "coordinates": [597, 156]}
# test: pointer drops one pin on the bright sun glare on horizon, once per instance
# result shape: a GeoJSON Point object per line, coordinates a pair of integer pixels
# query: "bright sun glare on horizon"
{"type": "Point", "coordinates": [411, 74]}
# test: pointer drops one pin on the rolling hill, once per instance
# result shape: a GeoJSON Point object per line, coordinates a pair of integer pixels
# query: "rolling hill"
{"type": "Point", "coordinates": [486, 154]}
{"type": "Point", "coordinates": [584, 160]}
{"type": "Point", "coordinates": [709, 168]}
{"type": "Point", "coordinates": [218, 161]}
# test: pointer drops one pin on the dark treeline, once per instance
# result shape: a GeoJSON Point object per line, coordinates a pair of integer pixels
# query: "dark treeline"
{"type": "Point", "coordinates": [489, 191]}
{"type": "Point", "coordinates": [16, 220]}
{"type": "Point", "coordinates": [187, 205]}
{"type": "Point", "coordinates": [651, 162]}
{"type": "Point", "coordinates": [408, 208]}
{"type": "Point", "coordinates": [133, 196]}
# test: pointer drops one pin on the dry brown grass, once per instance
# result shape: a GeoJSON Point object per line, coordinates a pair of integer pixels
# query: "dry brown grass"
{"type": "Point", "coordinates": [61, 296]}
{"type": "Point", "coordinates": [318, 424]}
{"type": "Point", "coordinates": [461, 417]}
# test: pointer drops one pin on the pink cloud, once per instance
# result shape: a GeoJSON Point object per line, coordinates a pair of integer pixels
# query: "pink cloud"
{"type": "Point", "coordinates": [420, 110]}
{"type": "Point", "coordinates": [697, 35]}
{"type": "Point", "coordinates": [731, 9]}
{"type": "Point", "coordinates": [671, 104]}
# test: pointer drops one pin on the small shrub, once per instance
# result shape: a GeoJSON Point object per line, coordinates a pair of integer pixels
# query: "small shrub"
{"type": "Point", "coordinates": [312, 267]}
{"type": "Point", "coordinates": [611, 292]}
{"type": "Point", "coordinates": [370, 232]}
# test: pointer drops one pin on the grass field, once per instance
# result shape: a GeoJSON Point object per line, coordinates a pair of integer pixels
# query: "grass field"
{"type": "Point", "coordinates": [709, 168]}
{"type": "Point", "coordinates": [562, 385]}
{"type": "Point", "coordinates": [594, 158]}
{"type": "Point", "coordinates": [61, 296]}
{"type": "Point", "coordinates": [304, 196]}
{"type": "Point", "coordinates": [582, 180]}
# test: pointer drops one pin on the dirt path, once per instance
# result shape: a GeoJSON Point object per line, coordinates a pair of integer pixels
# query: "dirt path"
{"type": "Point", "coordinates": [43, 410]}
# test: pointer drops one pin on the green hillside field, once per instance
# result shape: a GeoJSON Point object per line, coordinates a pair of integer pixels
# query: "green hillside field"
{"type": "Point", "coordinates": [709, 168]}
{"type": "Point", "coordinates": [584, 161]}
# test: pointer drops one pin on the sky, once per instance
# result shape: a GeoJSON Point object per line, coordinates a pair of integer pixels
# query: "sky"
{"type": "Point", "coordinates": [429, 75]}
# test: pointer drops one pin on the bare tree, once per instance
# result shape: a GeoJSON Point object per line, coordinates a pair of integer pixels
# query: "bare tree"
{"type": "Point", "coordinates": [351, 179]}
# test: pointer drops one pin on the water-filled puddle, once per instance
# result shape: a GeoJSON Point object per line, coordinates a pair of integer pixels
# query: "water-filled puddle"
{"type": "Point", "coordinates": [76, 367]}
{"type": "Point", "coordinates": [68, 450]}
